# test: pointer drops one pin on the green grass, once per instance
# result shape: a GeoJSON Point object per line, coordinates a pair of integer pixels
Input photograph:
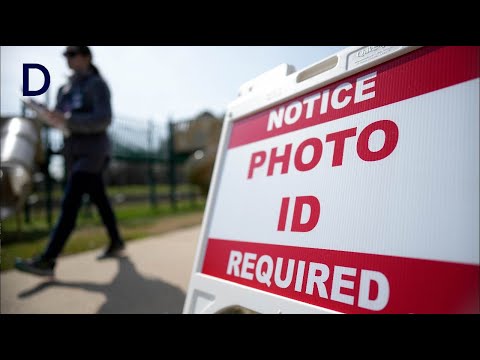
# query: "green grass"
{"type": "Point", "coordinates": [135, 221]}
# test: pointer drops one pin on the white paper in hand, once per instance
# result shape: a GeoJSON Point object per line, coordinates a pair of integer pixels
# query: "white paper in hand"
{"type": "Point", "coordinates": [42, 114]}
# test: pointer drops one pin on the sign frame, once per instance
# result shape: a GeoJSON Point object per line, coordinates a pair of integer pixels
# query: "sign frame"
{"type": "Point", "coordinates": [209, 294]}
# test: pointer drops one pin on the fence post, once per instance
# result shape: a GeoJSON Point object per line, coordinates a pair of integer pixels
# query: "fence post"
{"type": "Point", "coordinates": [151, 176]}
{"type": "Point", "coordinates": [171, 164]}
{"type": "Point", "coordinates": [26, 206]}
{"type": "Point", "coordinates": [48, 179]}
{"type": "Point", "coordinates": [27, 211]}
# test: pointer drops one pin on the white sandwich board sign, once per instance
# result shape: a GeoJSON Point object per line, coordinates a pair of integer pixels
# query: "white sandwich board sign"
{"type": "Point", "coordinates": [351, 186]}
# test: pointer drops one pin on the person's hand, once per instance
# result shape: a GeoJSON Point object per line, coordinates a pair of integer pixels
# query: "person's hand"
{"type": "Point", "coordinates": [56, 119]}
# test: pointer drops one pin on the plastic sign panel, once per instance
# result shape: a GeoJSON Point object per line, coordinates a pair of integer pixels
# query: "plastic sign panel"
{"type": "Point", "coordinates": [349, 190]}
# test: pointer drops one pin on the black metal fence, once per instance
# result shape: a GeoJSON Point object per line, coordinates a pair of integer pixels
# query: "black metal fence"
{"type": "Point", "coordinates": [143, 153]}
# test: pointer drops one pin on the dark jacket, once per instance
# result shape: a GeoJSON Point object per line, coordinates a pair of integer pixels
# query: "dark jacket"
{"type": "Point", "coordinates": [86, 100]}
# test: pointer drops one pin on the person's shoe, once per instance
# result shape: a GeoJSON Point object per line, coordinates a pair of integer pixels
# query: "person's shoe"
{"type": "Point", "coordinates": [112, 251]}
{"type": "Point", "coordinates": [37, 265]}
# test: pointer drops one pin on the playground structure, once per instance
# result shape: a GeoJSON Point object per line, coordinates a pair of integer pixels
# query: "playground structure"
{"type": "Point", "coordinates": [198, 140]}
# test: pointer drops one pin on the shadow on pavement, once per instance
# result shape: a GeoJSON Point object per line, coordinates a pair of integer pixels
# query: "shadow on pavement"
{"type": "Point", "coordinates": [128, 293]}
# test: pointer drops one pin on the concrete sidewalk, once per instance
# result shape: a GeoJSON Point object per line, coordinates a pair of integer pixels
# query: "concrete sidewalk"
{"type": "Point", "coordinates": [152, 278]}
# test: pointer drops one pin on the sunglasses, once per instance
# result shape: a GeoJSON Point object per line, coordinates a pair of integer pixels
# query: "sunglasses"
{"type": "Point", "coordinates": [70, 54]}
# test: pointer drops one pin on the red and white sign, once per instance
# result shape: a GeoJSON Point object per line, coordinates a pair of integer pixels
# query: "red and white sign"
{"type": "Point", "coordinates": [361, 196]}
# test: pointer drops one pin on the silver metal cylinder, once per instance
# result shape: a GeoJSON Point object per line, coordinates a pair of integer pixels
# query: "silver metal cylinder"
{"type": "Point", "coordinates": [19, 137]}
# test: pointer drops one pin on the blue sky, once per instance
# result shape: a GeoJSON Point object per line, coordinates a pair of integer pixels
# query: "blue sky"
{"type": "Point", "coordinates": [157, 82]}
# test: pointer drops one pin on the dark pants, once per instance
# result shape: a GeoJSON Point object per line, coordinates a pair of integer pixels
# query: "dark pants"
{"type": "Point", "coordinates": [80, 183]}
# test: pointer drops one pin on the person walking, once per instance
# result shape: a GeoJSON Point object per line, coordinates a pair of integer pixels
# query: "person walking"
{"type": "Point", "coordinates": [83, 108]}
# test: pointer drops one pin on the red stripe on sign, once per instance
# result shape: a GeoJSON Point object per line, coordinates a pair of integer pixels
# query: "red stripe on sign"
{"type": "Point", "coordinates": [345, 281]}
{"type": "Point", "coordinates": [419, 72]}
